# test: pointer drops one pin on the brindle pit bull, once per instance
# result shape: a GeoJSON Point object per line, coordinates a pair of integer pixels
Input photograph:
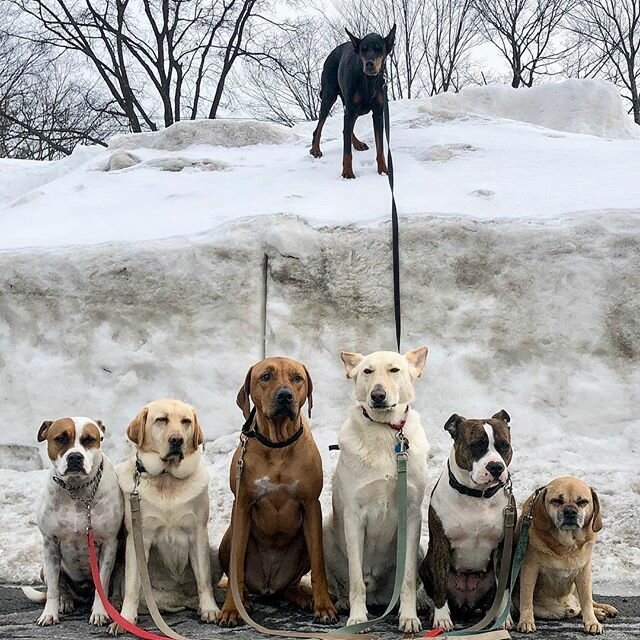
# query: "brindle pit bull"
{"type": "Point", "coordinates": [278, 510]}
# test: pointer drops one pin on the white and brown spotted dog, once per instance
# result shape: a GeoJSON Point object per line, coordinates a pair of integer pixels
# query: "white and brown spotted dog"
{"type": "Point", "coordinates": [555, 580]}
{"type": "Point", "coordinates": [77, 463]}
{"type": "Point", "coordinates": [174, 508]}
{"type": "Point", "coordinates": [360, 535]}
{"type": "Point", "coordinates": [466, 519]}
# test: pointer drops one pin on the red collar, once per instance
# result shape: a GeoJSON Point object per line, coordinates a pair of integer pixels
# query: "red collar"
{"type": "Point", "coordinates": [397, 426]}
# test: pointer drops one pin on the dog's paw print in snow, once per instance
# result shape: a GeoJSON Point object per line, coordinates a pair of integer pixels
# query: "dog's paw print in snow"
{"type": "Point", "coordinates": [486, 194]}
{"type": "Point", "coordinates": [446, 152]}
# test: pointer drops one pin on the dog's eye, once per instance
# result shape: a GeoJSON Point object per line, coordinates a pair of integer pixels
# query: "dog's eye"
{"type": "Point", "coordinates": [297, 378]}
{"type": "Point", "coordinates": [185, 421]}
{"type": "Point", "coordinates": [582, 503]}
{"type": "Point", "coordinates": [557, 502]}
{"type": "Point", "coordinates": [367, 371]}
{"type": "Point", "coordinates": [265, 377]}
{"type": "Point", "coordinates": [62, 439]}
{"type": "Point", "coordinates": [502, 446]}
{"type": "Point", "coordinates": [394, 370]}
{"type": "Point", "coordinates": [87, 440]}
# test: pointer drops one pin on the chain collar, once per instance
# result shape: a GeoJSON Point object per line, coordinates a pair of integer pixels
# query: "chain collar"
{"type": "Point", "coordinates": [75, 492]}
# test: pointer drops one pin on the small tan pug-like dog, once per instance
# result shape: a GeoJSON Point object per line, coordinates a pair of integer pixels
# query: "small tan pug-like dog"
{"type": "Point", "coordinates": [555, 579]}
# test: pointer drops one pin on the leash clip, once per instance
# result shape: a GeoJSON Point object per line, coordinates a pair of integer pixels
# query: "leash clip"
{"type": "Point", "coordinates": [402, 446]}
{"type": "Point", "coordinates": [509, 516]}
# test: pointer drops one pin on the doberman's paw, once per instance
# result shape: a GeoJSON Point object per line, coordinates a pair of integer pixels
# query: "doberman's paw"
{"type": "Point", "coordinates": [526, 625]}
{"type": "Point", "coordinates": [382, 167]}
{"type": "Point", "coordinates": [360, 146]}
{"type": "Point", "coordinates": [315, 152]}
{"type": "Point", "coordinates": [409, 624]}
{"type": "Point", "coordinates": [348, 174]}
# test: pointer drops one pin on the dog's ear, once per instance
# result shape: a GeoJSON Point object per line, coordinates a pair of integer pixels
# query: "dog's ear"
{"type": "Point", "coordinates": [390, 40]}
{"type": "Point", "coordinates": [351, 361]}
{"type": "Point", "coordinates": [541, 518]}
{"type": "Point", "coordinates": [355, 41]}
{"type": "Point", "coordinates": [243, 399]}
{"type": "Point", "coordinates": [198, 434]}
{"type": "Point", "coordinates": [596, 518]}
{"type": "Point", "coordinates": [102, 428]}
{"type": "Point", "coordinates": [452, 424]}
{"type": "Point", "coordinates": [416, 359]}
{"type": "Point", "coordinates": [309, 390]}
{"type": "Point", "coordinates": [502, 415]}
{"type": "Point", "coordinates": [42, 431]}
{"type": "Point", "coordinates": [135, 431]}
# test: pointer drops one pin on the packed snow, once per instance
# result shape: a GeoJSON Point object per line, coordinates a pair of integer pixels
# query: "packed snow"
{"type": "Point", "coordinates": [136, 272]}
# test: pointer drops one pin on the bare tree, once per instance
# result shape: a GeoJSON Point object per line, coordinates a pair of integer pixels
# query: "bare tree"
{"type": "Point", "coordinates": [449, 32]}
{"type": "Point", "coordinates": [523, 31]}
{"type": "Point", "coordinates": [609, 35]}
{"type": "Point", "coordinates": [154, 57]}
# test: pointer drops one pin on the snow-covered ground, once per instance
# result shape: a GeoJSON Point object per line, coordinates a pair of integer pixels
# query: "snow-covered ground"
{"type": "Point", "coordinates": [520, 271]}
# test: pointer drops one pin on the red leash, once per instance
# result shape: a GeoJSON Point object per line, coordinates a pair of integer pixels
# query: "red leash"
{"type": "Point", "coordinates": [114, 614]}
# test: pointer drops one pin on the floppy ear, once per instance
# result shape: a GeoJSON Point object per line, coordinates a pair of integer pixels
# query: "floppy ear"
{"type": "Point", "coordinates": [502, 415]}
{"type": "Point", "coordinates": [198, 435]}
{"type": "Point", "coordinates": [309, 391]}
{"type": "Point", "coordinates": [452, 424]}
{"type": "Point", "coordinates": [390, 40]}
{"type": "Point", "coordinates": [541, 519]}
{"type": "Point", "coordinates": [135, 431]}
{"type": "Point", "coordinates": [351, 361]}
{"type": "Point", "coordinates": [355, 41]}
{"type": "Point", "coordinates": [416, 359]}
{"type": "Point", "coordinates": [596, 518]}
{"type": "Point", "coordinates": [243, 399]}
{"type": "Point", "coordinates": [102, 428]}
{"type": "Point", "coordinates": [42, 431]}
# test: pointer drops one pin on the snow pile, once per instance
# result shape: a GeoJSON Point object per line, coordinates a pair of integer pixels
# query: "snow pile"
{"type": "Point", "coordinates": [592, 107]}
{"type": "Point", "coordinates": [216, 133]}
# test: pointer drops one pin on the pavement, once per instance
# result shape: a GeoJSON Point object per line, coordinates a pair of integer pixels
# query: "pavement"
{"type": "Point", "coordinates": [18, 615]}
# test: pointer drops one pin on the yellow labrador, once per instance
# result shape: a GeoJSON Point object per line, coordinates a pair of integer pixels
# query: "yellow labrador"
{"type": "Point", "coordinates": [174, 503]}
{"type": "Point", "coordinates": [555, 581]}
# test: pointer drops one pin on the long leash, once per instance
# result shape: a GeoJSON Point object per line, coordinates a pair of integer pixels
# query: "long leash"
{"type": "Point", "coordinates": [395, 231]}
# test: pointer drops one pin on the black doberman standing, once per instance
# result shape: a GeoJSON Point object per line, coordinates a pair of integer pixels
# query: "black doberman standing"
{"type": "Point", "coordinates": [355, 72]}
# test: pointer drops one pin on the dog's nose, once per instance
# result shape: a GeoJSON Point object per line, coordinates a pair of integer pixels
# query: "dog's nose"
{"type": "Point", "coordinates": [176, 441]}
{"type": "Point", "coordinates": [495, 469]}
{"type": "Point", "coordinates": [284, 395]}
{"type": "Point", "coordinates": [75, 459]}
{"type": "Point", "coordinates": [368, 65]}
{"type": "Point", "coordinates": [378, 395]}
{"type": "Point", "coordinates": [570, 513]}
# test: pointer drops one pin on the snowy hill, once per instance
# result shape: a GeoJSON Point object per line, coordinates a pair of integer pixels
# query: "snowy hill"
{"type": "Point", "coordinates": [520, 271]}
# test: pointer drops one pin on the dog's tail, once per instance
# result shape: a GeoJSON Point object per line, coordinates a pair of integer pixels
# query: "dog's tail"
{"type": "Point", "coordinates": [34, 595]}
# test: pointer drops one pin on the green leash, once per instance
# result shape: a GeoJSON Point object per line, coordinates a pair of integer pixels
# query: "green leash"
{"type": "Point", "coordinates": [401, 544]}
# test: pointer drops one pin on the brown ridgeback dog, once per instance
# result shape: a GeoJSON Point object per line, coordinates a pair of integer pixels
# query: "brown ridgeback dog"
{"type": "Point", "coordinates": [278, 512]}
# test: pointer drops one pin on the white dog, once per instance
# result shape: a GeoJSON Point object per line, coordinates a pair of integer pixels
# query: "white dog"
{"type": "Point", "coordinates": [360, 536]}
{"type": "Point", "coordinates": [78, 467]}
{"type": "Point", "coordinates": [174, 505]}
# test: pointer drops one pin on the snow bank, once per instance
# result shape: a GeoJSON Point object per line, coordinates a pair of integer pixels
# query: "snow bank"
{"type": "Point", "coordinates": [539, 319]}
{"type": "Point", "coordinates": [216, 133]}
{"type": "Point", "coordinates": [593, 107]}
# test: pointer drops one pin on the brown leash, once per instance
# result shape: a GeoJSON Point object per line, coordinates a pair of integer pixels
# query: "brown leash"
{"type": "Point", "coordinates": [235, 590]}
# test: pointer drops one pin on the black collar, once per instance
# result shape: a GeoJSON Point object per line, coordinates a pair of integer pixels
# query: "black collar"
{"type": "Point", "coordinates": [250, 430]}
{"type": "Point", "coordinates": [474, 493]}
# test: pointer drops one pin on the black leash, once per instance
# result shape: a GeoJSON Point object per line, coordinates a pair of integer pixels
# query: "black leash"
{"type": "Point", "coordinates": [395, 232]}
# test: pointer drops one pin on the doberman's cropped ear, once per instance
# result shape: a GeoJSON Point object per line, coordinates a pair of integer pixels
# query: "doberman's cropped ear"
{"type": "Point", "coordinates": [243, 399]}
{"type": "Point", "coordinates": [309, 390]}
{"type": "Point", "coordinates": [502, 415]}
{"type": "Point", "coordinates": [390, 40]}
{"type": "Point", "coordinates": [355, 41]}
{"type": "Point", "coordinates": [42, 431]}
{"type": "Point", "coordinates": [198, 434]}
{"type": "Point", "coordinates": [135, 431]}
{"type": "Point", "coordinates": [452, 424]}
{"type": "Point", "coordinates": [596, 518]}
{"type": "Point", "coordinates": [351, 361]}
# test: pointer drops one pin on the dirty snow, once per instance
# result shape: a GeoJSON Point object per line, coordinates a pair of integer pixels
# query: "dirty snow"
{"type": "Point", "coordinates": [520, 272]}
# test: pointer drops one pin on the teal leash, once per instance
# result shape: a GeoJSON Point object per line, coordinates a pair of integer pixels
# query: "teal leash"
{"type": "Point", "coordinates": [401, 543]}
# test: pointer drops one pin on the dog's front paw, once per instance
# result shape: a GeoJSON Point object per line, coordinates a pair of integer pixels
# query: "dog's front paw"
{"type": "Point", "coordinates": [409, 624]}
{"type": "Point", "coordinates": [526, 625]}
{"type": "Point", "coordinates": [593, 627]}
{"type": "Point", "coordinates": [348, 174]}
{"type": "Point", "coordinates": [357, 616]}
{"type": "Point", "coordinates": [325, 612]}
{"type": "Point", "coordinates": [508, 623]}
{"type": "Point", "coordinates": [67, 605]}
{"type": "Point", "coordinates": [99, 617]}
{"type": "Point", "coordinates": [209, 615]}
{"type": "Point", "coordinates": [382, 167]}
{"type": "Point", "coordinates": [229, 617]}
{"type": "Point", "coordinates": [315, 152]}
{"type": "Point", "coordinates": [342, 604]}
{"type": "Point", "coordinates": [442, 619]}
{"type": "Point", "coordinates": [604, 611]}
{"type": "Point", "coordinates": [47, 619]}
